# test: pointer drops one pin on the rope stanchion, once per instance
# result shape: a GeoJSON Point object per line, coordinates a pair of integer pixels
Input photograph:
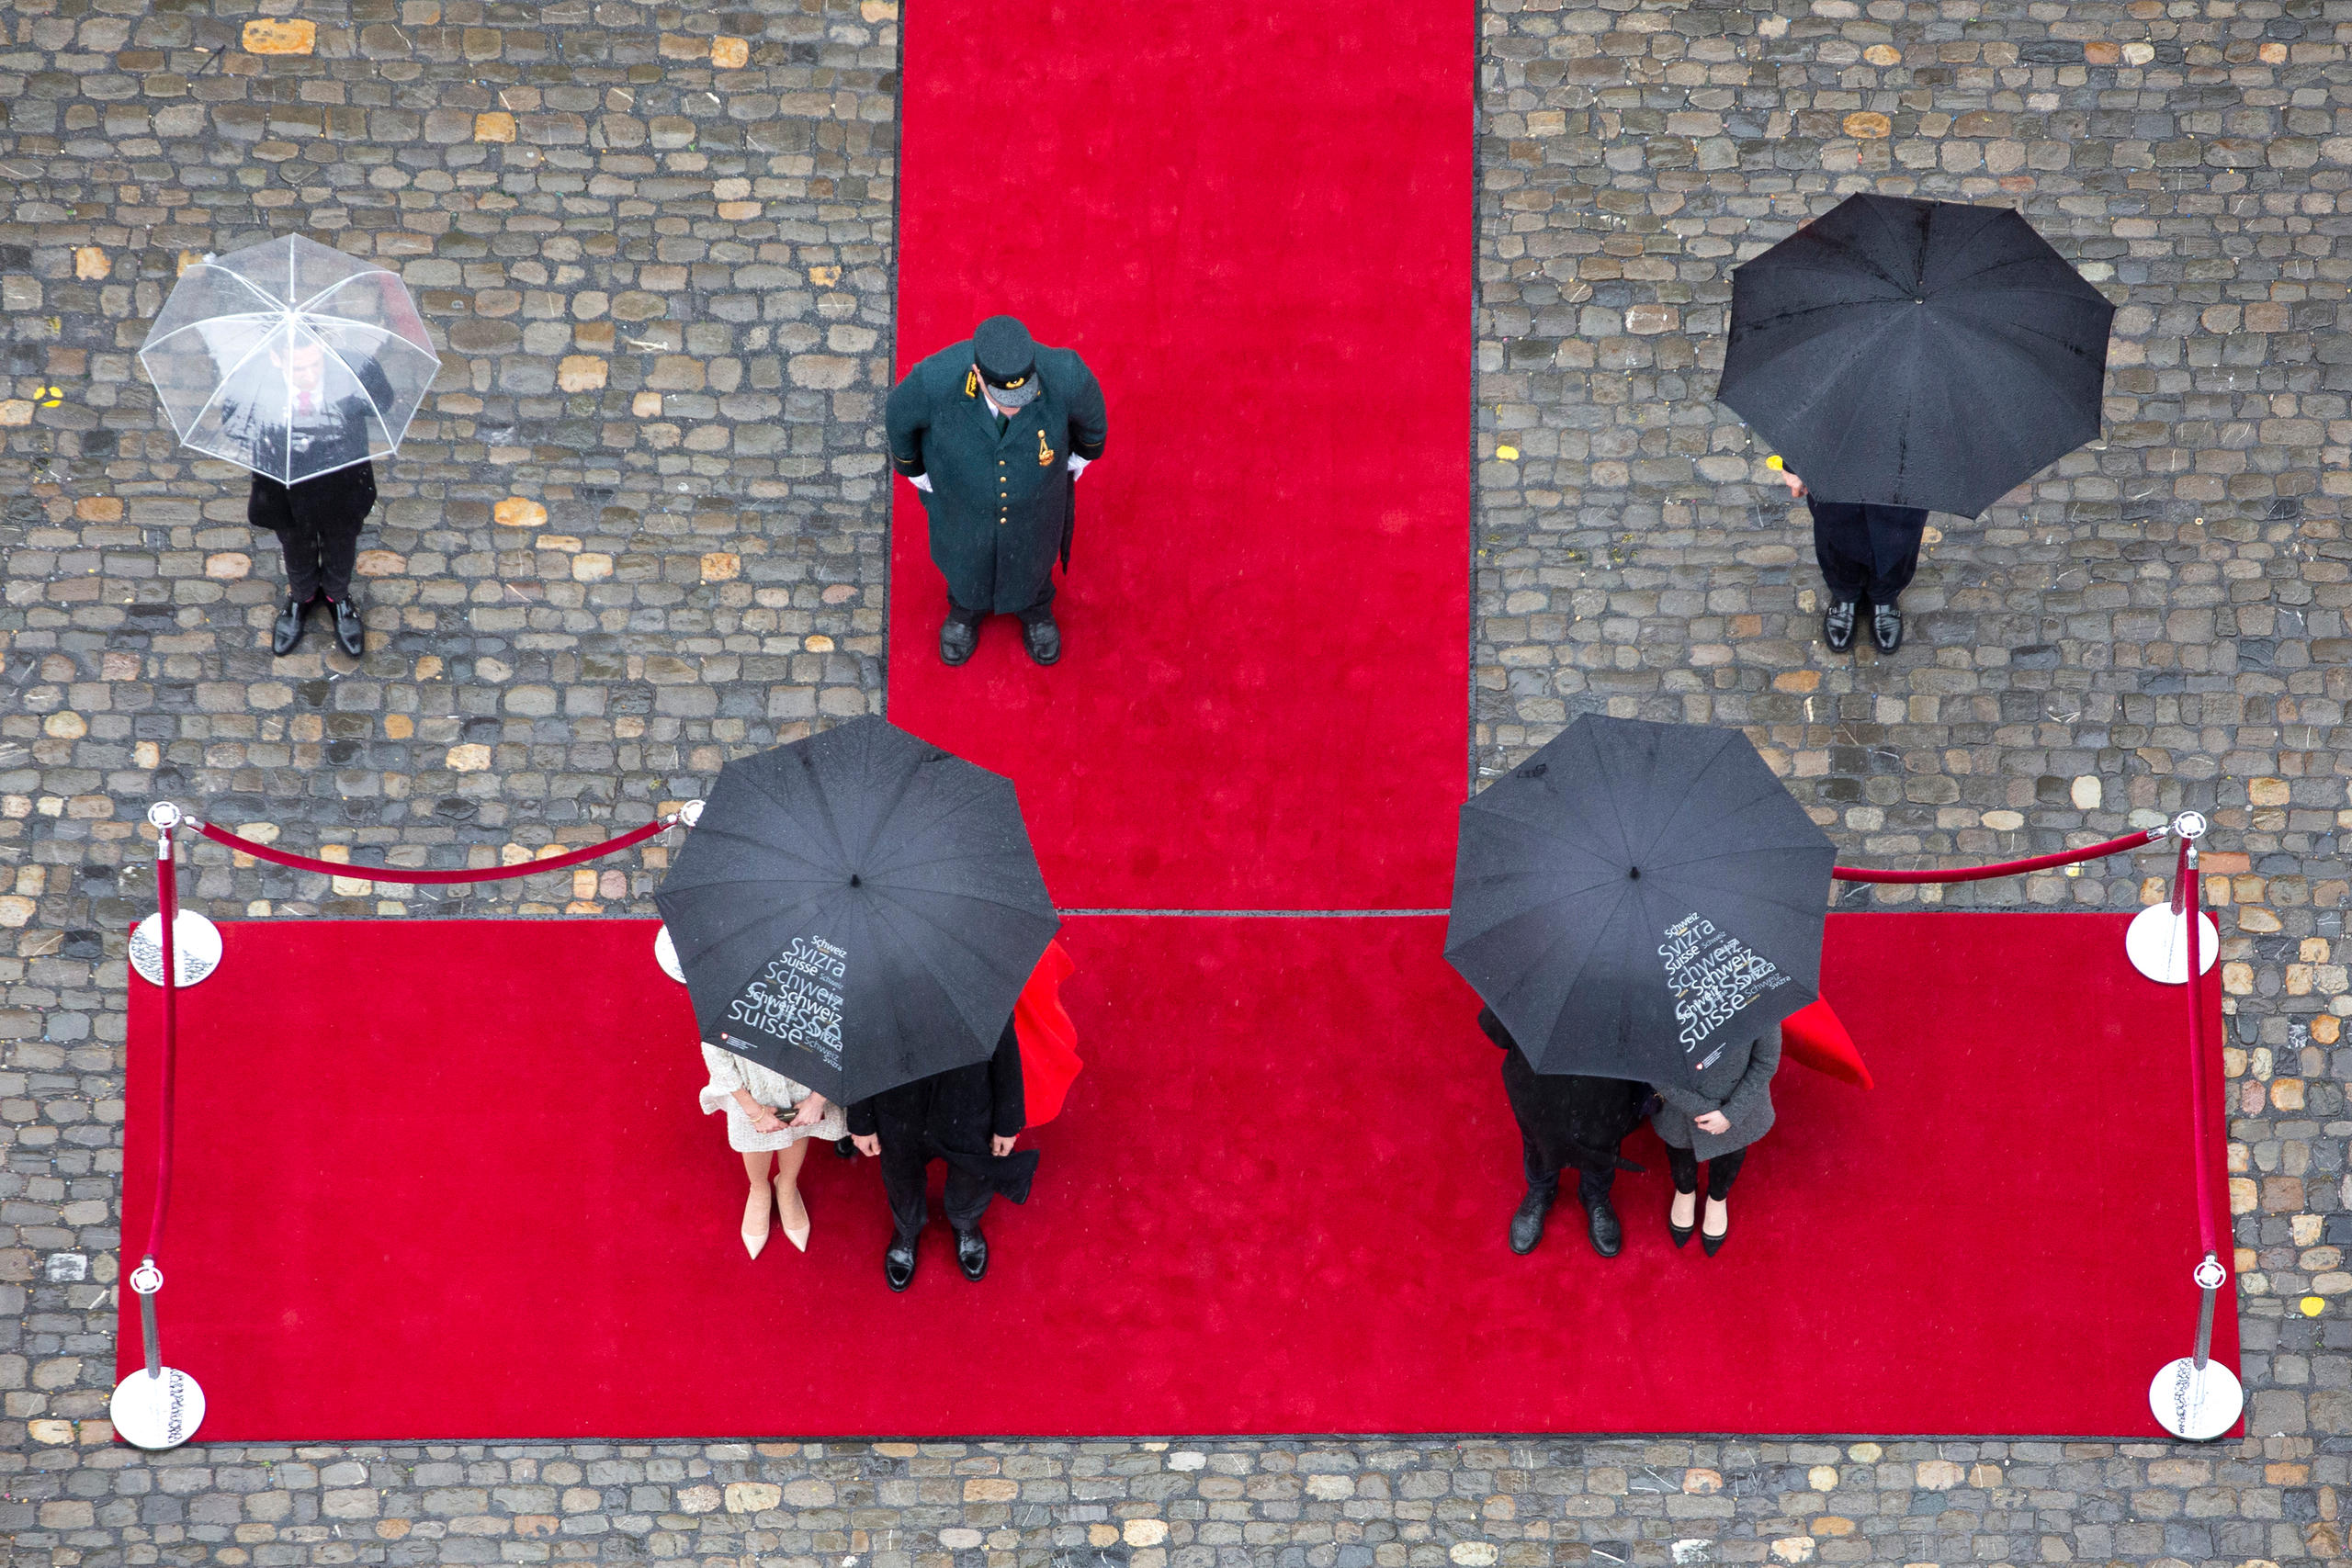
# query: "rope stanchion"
{"type": "Point", "coordinates": [2194, 1397]}
{"type": "Point", "coordinates": [160, 1406]}
{"type": "Point", "coordinates": [2007, 867]}
{"type": "Point", "coordinates": [221, 835]}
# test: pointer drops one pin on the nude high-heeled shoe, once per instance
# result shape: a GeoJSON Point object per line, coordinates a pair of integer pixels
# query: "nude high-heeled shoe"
{"type": "Point", "coordinates": [798, 1238]}
{"type": "Point", "coordinates": [756, 1220]}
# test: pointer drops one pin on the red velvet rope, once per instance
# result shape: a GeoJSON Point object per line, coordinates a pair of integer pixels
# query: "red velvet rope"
{"type": "Point", "coordinates": [2192, 906]}
{"type": "Point", "coordinates": [167, 904]}
{"type": "Point", "coordinates": [403, 874]}
{"type": "Point", "coordinates": [2004, 868]}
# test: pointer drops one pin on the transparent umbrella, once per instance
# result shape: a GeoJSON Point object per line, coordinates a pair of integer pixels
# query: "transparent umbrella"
{"type": "Point", "coordinates": [291, 359]}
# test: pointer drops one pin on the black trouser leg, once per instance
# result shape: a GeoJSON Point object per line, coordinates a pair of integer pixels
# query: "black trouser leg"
{"type": "Point", "coordinates": [906, 1171]}
{"type": "Point", "coordinates": [1041, 606]}
{"type": "Point", "coordinates": [968, 1197]}
{"type": "Point", "coordinates": [1722, 1170]}
{"type": "Point", "coordinates": [1841, 544]}
{"type": "Point", "coordinates": [302, 574]}
{"type": "Point", "coordinates": [1867, 551]}
{"type": "Point", "coordinates": [1541, 1176]}
{"type": "Point", "coordinates": [338, 555]}
{"type": "Point", "coordinates": [1593, 1183]}
{"type": "Point", "coordinates": [965, 614]}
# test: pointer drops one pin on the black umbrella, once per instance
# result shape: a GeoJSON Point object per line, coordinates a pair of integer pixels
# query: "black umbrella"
{"type": "Point", "coordinates": [1635, 897]}
{"type": "Point", "coordinates": [857, 909]}
{"type": "Point", "coordinates": [1917, 353]}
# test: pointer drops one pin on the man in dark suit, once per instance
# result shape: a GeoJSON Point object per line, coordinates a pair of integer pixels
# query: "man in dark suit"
{"type": "Point", "coordinates": [968, 1117]}
{"type": "Point", "coordinates": [1867, 553]}
{"type": "Point", "coordinates": [1567, 1121]}
{"type": "Point", "coordinates": [321, 441]}
{"type": "Point", "coordinates": [994, 432]}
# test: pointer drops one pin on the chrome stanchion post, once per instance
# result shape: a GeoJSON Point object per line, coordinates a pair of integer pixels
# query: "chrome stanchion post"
{"type": "Point", "coordinates": [160, 1406]}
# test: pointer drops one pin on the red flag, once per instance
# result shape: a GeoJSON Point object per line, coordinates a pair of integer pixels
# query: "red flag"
{"type": "Point", "coordinates": [1817, 1037]}
{"type": "Point", "coordinates": [1048, 1039]}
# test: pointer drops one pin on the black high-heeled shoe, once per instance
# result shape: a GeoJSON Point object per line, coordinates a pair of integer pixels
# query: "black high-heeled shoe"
{"type": "Point", "coordinates": [1714, 1244]}
{"type": "Point", "coordinates": [1681, 1233]}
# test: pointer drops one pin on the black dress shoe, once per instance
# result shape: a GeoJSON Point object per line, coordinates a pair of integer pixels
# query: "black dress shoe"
{"type": "Point", "coordinates": [972, 1254]}
{"type": "Point", "coordinates": [845, 1148]}
{"type": "Point", "coordinates": [1886, 628]}
{"type": "Point", "coordinates": [1600, 1224]}
{"type": "Point", "coordinates": [1681, 1233]}
{"type": "Point", "coordinates": [957, 638]}
{"type": "Point", "coordinates": [1042, 639]}
{"type": "Point", "coordinates": [1714, 1244]}
{"type": "Point", "coordinates": [1837, 624]}
{"type": "Point", "coordinates": [1527, 1225]}
{"type": "Point", "coordinates": [349, 635]}
{"type": "Point", "coordinates": [899, 1265]}
{"type": "Point", "coordinates": [286, 635]}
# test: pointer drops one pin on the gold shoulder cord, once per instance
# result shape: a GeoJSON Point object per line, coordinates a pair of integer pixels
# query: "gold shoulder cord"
{"type": "Point", "coordinates": [1044, 452]}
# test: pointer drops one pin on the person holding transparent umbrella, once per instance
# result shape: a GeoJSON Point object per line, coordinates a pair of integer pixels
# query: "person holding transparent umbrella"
{"type": "Point", "coordinates": [303, 365]}
{"type": "Point", "coordinates": [318, 520]}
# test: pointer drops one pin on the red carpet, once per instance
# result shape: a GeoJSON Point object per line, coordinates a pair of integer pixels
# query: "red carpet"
{"type": "Point", "coordinates": [1254, 221]}
{"type": "Point", "coordinates": [456, 1186]}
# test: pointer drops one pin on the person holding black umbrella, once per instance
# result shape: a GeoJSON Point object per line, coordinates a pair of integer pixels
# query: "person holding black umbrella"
{"type": "Point", "coordinates": [850, 911]}
{"type": "Point", "coordinates": [968, 1117]}
{"type": "Point", "coordinates": [1715, 1123]}
{"type": "Point", "coordinates": [994, 432]}
{"type": "Point", "coordinates": [1868, 553]}
{"type": "Point", "coordinates": [1567, 1121]}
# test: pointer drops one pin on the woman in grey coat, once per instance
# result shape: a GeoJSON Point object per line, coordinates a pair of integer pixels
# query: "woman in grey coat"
{"type": "Point", "coordinates": [1730, 1110]}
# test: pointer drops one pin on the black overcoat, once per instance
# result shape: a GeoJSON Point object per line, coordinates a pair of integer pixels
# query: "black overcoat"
{"type": "Point", "coordinates": [1574, 1120]}
{"type": "Point", "coordinates": [954, 1114]}
{"type": "Point", "coordinates": [998, 502]}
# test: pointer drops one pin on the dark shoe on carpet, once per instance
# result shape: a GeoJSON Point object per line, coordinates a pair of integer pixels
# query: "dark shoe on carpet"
{"type": "Point", "coordinates": [1600, 1224]}
{"type": "Point", "coordinates": [899, 1265]}
{"type": "Point", "coordinates": [1713, 1244]}
{"type": "Point", "coordinates": [349, 635]}
{"type": "Point", "coordinates": [972, 1252]}
{"type": "Point", "coordinates": [1837, 624]}
{"type": "Point", "coordinates": [1886, 628]}
{"type": "Point", "coordinates": [1527, 1225]}
{"type": "Point", "coordinates": [845, 1148]}
{"type": "Point", "coordinates": [286, 635]}
{"type": "Point", "coordinates": [957, 638]}
{"type": "Point", "coordinates": [1042, 639]}
{"type": "Point", "coordinates": [1681, 1233]}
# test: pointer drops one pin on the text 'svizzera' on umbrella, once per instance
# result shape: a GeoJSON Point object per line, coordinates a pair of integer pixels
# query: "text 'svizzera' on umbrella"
{"type": "Point", "coordinates": [1911, 352]}
{"type": "Point", "coordinates": [1635, 897]}
{"type": "Point", "coordinates": [857, 909]}
{"type": "Point", "coordinates": [289, 358]}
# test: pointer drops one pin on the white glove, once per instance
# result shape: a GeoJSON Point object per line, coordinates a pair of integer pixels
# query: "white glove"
{"type": "Point", "coordinates": [1077, 465]}
{"type": "Point", "coordinates": [921, 483]}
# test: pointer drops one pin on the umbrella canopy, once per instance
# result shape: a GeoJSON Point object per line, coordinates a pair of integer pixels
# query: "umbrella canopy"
{"type": "Point", "coordinates": [857, 910]}
{"type": "Point", "coordinates": [1917, 353]}
{"type": "Point", "coordinates": [289, 358]}
{"type": "Point", "coordinates": [1637, 896]}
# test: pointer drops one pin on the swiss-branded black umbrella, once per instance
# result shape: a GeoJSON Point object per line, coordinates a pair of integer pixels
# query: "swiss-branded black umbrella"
{"type": "Point", "coordinates": [1917, 353]}
{"type": "Point", "coordinates": [1637, 896]}
{"type": "Point", "coordinates": [857, 909]}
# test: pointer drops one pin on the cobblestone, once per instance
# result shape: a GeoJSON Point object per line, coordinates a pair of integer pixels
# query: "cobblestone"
{"type": "Point", "coordinates": [641, 526]}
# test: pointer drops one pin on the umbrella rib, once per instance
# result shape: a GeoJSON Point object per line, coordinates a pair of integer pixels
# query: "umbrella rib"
{"type": "Point", "coordinates": [161, 338]}
{"type": "Point", "coordinates": [972, 800]}
{"type": "Point", "coordinates": [276, 306]}
{"type": "Point", "coordinates": [1545, 829]}
{"type": "Point", "coordinates": [370, 272]}
{"type": "Point", "coordinates": [1825, 383]}
{"type": "Point", "coordinates": [1454, 942]}
{"type": "Point", "coordinates": [1690, 788]}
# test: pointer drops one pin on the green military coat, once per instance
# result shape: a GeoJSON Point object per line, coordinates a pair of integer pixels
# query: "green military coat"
{"type": "Point", "coordinates": [998, 503]}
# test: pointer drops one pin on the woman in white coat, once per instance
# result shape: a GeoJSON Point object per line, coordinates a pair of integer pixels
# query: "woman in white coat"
{"type": "Point", "coordinates": [770, 1118]}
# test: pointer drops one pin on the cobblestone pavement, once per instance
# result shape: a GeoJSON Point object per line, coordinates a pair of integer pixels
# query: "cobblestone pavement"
{"type": "Point", "coordinates": [640, 527]}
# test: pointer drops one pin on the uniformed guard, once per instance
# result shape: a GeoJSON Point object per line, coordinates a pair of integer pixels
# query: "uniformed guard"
{"type": "Point", "coordinates": [994, 432]}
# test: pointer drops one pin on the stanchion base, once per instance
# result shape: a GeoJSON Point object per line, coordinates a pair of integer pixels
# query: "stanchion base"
{"type": "Point", "coordinates": [665, 954]}
{"type": "Point", "coordinates": [196, 948]}
{"type": "Point", "coordinates": [2198, 1405]}
{"type": "Point", "coordinates": [159, 1412]}
{"type": "Point", "coordinates": [2157, 944]}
